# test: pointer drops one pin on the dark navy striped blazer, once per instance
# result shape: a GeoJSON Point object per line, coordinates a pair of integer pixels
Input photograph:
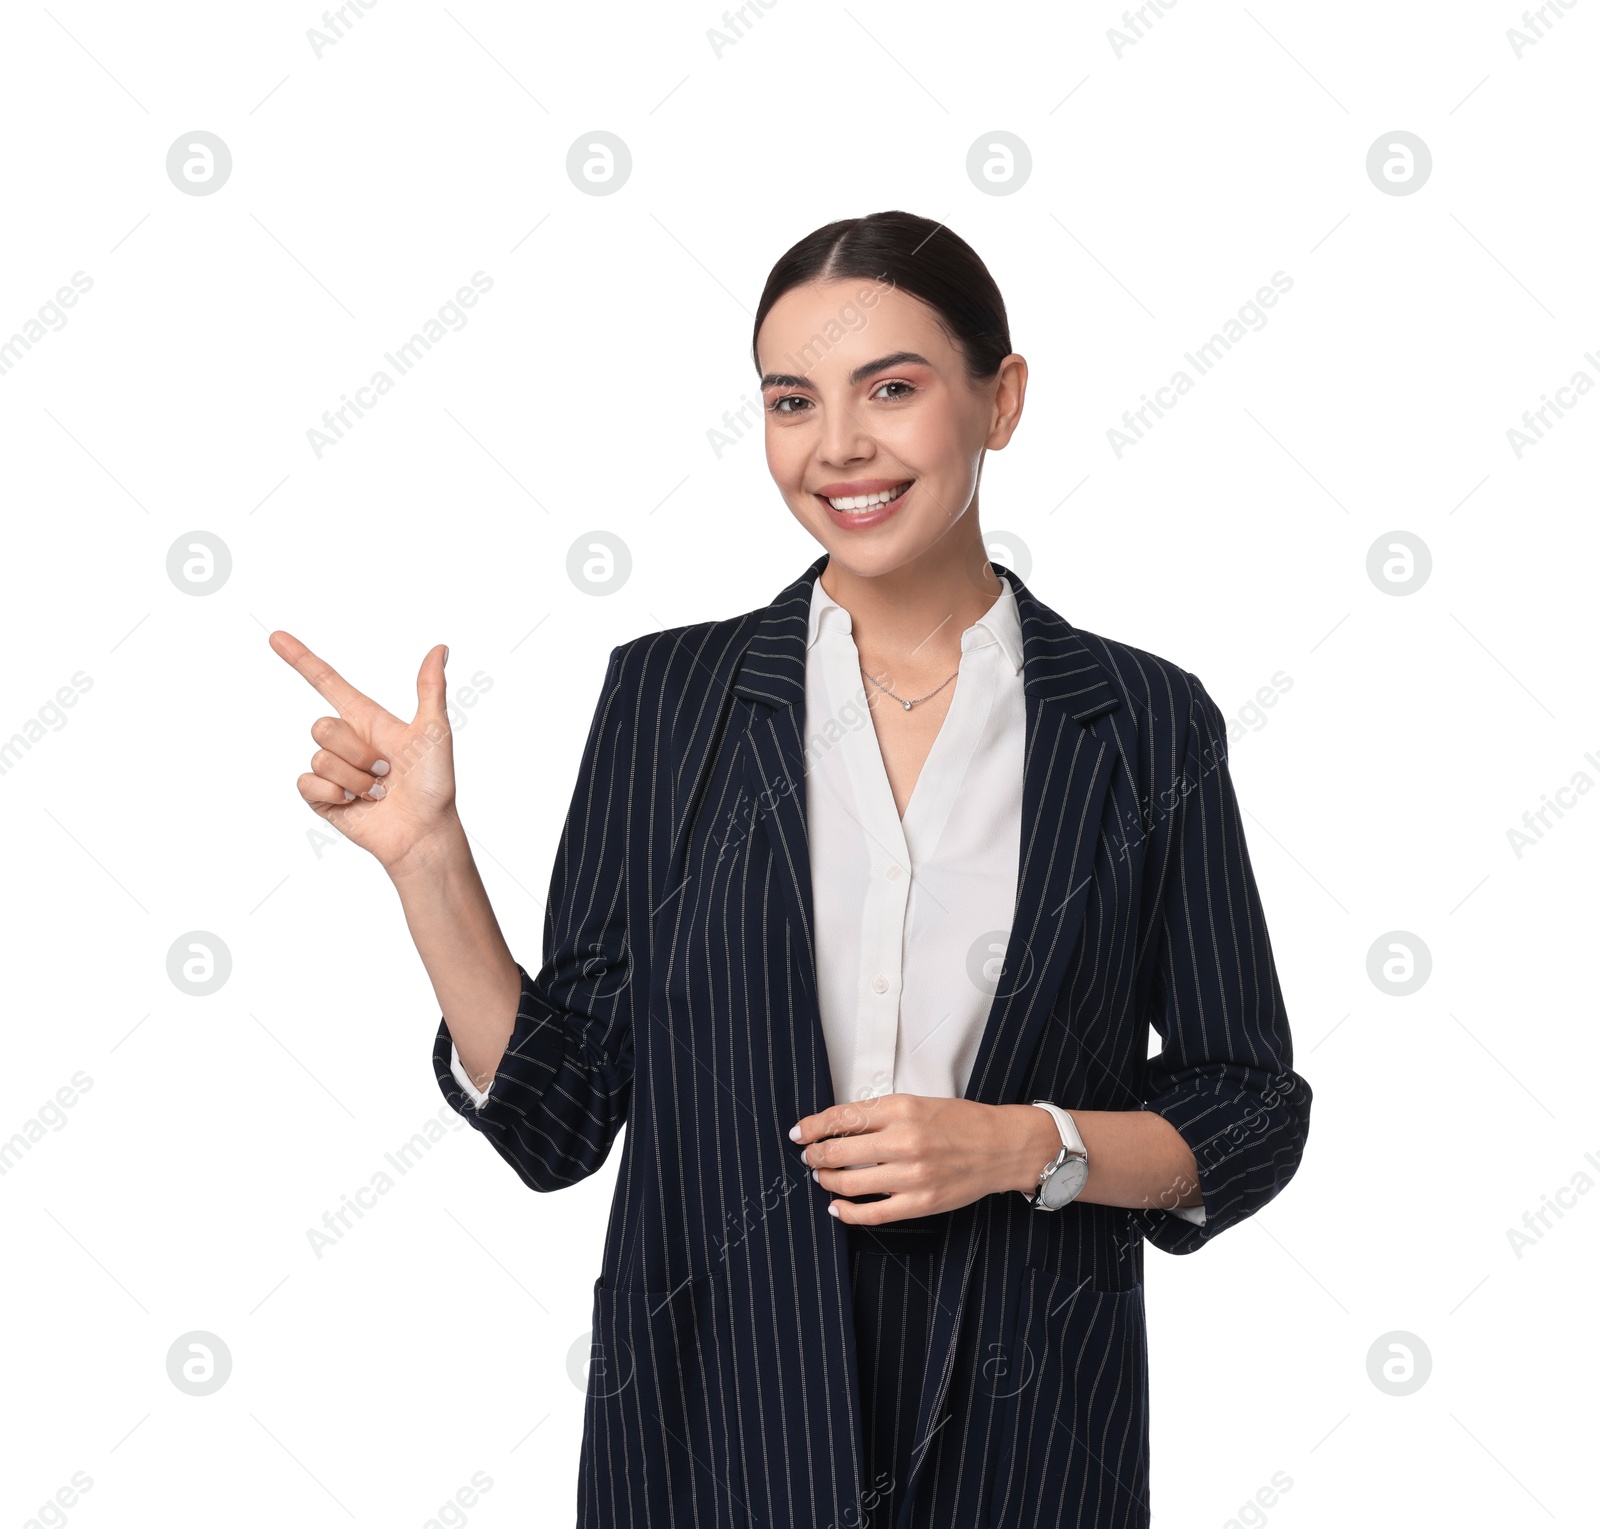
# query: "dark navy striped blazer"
{"type": "Point", "coordinates": [678, 993]}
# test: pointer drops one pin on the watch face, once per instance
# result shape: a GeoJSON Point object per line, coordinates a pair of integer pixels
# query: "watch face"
{"type": "Point", "coordinates": [1062, 1187]}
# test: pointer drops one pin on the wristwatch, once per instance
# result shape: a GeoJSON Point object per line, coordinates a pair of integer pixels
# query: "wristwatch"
{"type": "Point", "coordinates": [1066, 1173]}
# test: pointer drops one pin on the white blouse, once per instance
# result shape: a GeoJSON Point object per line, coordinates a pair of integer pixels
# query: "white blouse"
{"type": "Point", "coordinates": [912, 916]}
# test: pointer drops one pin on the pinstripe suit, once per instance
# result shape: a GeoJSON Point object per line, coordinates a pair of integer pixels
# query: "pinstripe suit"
{"type": "Point", "coordinates": [678, 993]}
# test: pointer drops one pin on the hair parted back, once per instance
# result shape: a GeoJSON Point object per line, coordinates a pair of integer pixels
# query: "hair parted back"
{"type": "Point", "coordinates": [918, 256]}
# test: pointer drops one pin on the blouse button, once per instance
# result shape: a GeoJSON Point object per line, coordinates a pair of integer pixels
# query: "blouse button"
{"type": "Point", "coordinates": [893, 873]}
{"type": "Point", "coordinates": [880, 984]}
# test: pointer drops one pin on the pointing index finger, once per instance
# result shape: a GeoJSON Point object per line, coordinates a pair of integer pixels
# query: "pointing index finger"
{"type": "Point", "coordinates": [350, 703]}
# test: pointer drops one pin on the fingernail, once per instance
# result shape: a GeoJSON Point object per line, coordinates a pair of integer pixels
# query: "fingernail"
{"type": "Point", "coordinates": [447, 652]}
{"type": "Point", "coordinates": [833, 1209]}
{"type": "Point", "coordinates": [381, 767]}
{"type": "Point", "coordinates": [794, 1133]}
{"type": "Point", "coordinates": [377, 793]}
{"type": "Point", "coordinates": [349, 796]}
{"type": "Point", "coordinates": [815, 1175]}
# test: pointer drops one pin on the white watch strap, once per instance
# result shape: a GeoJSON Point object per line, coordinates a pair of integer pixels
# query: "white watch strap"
{"type": "Point", "coordinates": [1069, 1138]}
{"type": "Point", "coordinates": [1064, 1122]}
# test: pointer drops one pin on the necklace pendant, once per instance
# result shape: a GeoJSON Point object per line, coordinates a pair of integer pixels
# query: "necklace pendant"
{"type": "Point", "coordinates": [906, 704]}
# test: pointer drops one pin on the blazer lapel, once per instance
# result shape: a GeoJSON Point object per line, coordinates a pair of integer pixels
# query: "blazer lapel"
{"type": "Point", "coordinates": [1067, 770]}
{"type": "Point", "coordinates": [771, 677]}
{"type": "Point", "coordinates": [770, 681]}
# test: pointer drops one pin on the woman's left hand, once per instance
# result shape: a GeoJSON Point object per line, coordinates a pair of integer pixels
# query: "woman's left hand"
{"type": "Point", "coordinates": [929, 1154]}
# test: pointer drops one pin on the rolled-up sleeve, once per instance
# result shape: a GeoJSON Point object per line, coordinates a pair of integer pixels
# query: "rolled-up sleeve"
{"type": "Point", "coordinates": [1224, 1075]}
{"type": "Point", "coordinates": [562, 1089]}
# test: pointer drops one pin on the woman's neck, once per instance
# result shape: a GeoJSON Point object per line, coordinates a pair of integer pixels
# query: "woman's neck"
{"type": "Point", "coordinates": [911, 620]}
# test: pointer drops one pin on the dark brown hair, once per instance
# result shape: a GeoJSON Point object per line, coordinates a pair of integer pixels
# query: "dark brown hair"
{"type": "Point", "coordinates": [916, 255]}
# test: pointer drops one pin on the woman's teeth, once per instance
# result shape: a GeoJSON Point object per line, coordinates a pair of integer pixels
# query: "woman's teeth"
{"type": "Point", "coordinates": [869, 501]}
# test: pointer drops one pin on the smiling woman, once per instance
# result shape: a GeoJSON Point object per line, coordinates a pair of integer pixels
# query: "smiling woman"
{"type": "Point", "coordinates": [868, 999]}
{"type": "Point", "coordinates": [877, 446]}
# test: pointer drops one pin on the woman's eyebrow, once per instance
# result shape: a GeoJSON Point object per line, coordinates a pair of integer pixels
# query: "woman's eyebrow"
{"type": "Point", "coordinates": [860, 374]}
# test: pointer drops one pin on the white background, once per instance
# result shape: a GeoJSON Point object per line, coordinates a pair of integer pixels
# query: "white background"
{"type": "Point", "coordinates": [1167, 185]}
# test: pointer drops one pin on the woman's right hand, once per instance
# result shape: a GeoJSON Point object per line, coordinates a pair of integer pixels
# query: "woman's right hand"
{"type": "Point", "coordinates": [385, 784]}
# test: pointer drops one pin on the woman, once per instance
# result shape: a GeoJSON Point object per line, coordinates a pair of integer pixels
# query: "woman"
{"type": "Point", "coordinates": [863, 907]}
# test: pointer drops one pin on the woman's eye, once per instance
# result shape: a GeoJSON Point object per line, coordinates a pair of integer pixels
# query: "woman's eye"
{"type": "Point", "coordinates": [804, 405]}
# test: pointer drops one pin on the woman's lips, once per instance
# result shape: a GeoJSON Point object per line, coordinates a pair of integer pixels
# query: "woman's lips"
{"type": "Point", "coordinates": [860, 520]}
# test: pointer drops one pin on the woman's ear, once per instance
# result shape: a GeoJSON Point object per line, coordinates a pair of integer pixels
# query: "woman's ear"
{"type": "Point", "coordinates": [1011, 387]}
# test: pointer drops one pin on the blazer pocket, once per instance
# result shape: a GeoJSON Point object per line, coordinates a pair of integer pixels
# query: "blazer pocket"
{"type": "Point", "coordinates": [1080, 1400]}
{"type": "Point", "coordinates": [661, 1422]}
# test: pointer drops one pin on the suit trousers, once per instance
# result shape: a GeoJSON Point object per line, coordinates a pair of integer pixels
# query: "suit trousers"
{"type": "Point", "coordinates": [892, 1271]}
